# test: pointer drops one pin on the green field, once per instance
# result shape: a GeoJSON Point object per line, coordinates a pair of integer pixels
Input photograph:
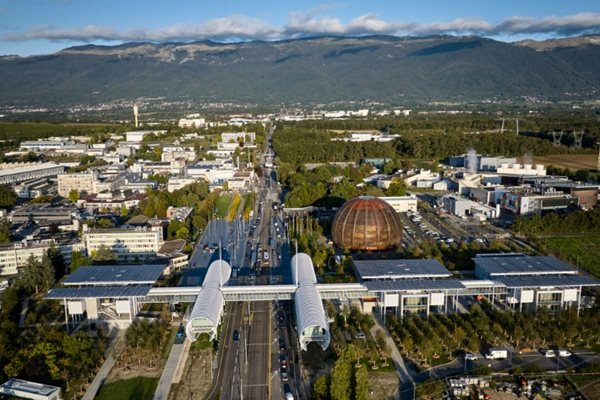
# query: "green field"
{"type": "Point", "coordinates": [222, 204]}
{"type": "Point", "coordinates": [139, 388]}
{"type": "Point", "coordinates": [583, 251]}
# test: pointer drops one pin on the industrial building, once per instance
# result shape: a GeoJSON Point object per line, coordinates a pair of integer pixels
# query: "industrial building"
{"type": "Point", "coordinates": [19, 172]}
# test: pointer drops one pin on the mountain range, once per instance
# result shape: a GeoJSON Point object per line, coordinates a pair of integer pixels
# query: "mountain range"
{"type": "Point", "coordinates": [388, 69]}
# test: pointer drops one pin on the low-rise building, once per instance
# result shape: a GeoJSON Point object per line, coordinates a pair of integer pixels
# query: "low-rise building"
{"type": "Point", "coordinates": [402, 203]}
{"type": "Point", "coordinates": [521, 169]}
{"type": "Point", "coordinates": [45, 144]}
{"type": "Point", "coordinates": [191, 122]}
{"type": "Point", "coordinates": [11, 173]}
{"type": "Point", "coordinates": [82, 182]}
{"type": "Point", "coordinates": [43, 212]}
{"type": "Point", "coordinates": [177, 183]}
{"type": "Point", "coordinates": [138, 136]}
{"type": "Point", "coordinates": [15, 256]}
{"type": "Point", "coordinates": [127, 244]}
{"type": "Point", "coordinates": [171, 153]}
{"type": "Point", "coordinates": [525, 202]}
{"type": "Point", "coordinates": [22, 389]}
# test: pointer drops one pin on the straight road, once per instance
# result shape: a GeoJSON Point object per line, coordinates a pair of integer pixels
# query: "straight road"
{"type": "Point", "coordinates": [228, 356]}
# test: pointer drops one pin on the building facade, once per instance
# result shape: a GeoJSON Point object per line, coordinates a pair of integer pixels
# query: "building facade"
{"type": "Point", "coordinates": [127, 244]}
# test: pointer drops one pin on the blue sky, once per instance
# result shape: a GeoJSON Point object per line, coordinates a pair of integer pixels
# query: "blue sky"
{"type": "Point", "coordinates": [44, 26]}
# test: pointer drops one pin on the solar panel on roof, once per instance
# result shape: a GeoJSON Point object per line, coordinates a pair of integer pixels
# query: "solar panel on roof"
{"type": "Point", "coordinates": [103, 274]}
{"type": "Point", "coordinates": [98, 291]}
{"type": "Point", "coordinates": [373, 269]}
{"type": "Point", "coordinates": [556, 281]}
{"type": "Point", "coordinates": [522, 264]}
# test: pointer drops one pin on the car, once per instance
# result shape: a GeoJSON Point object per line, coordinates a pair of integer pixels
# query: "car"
{"type": "Point", "coordinates": [549, 353]}
{"type": "Point", "coordinates": [236, 336]}
{"type": "Point", "coordinates": [289, 396]}
{"type": "Point", "coordinates": [564, 353]}
{"type": "Point", "coordinates": [471, 357]}
{"type": "Point", "coordinates": [180, 332]}
{"type": "Point", "coordinates": [360, 335]}
{"type": "Point", "coordinates": [283, 361]}
{"type": "Point", "coordinates": [284, 374]}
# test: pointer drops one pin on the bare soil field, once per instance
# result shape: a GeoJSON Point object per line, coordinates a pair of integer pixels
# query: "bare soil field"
{"type": "Point", "coordinates": [571, 161]}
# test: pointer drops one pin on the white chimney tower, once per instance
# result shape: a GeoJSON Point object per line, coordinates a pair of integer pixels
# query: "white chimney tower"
{"type": "Point", "coordinates": [135, 115]}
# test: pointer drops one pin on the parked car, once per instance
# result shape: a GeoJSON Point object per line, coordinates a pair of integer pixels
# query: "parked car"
{"type": "Point", "coordinates": [471, 357]}
{"type": "Point", "coordinates": [236, 336]}
{"type": "Point", "coordinates": [360, 335]}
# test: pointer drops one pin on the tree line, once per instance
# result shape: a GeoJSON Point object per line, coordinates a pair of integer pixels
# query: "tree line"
{"type": "Point", "coordinates": [576, 222]}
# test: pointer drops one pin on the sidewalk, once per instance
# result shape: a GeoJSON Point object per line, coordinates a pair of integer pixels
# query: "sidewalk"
{"type": "Point", "coordinates": [407, 375]}
{"type": "Point", "coordinates": [172, 366]}
{"type": "Point", "coordinates": [100, 377]}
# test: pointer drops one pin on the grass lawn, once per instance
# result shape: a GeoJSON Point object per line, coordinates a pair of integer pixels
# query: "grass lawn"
{"type": "Point", "coordinates": [139, 388]}
{"type": "Point", "coordinates": [583, 251]}
{"type": "Point", "coordinates": [222, 204]}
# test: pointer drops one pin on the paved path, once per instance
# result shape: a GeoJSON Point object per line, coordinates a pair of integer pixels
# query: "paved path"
{"type": "Point", "coordinates": [166, 379]}
{"type": "Point", "coordinates": [406, 374]}
{"type": "Point", "coordinates": [100, 378]}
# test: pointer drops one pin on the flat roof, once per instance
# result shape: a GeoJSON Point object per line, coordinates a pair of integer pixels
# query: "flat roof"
{"type": "Point", "coordinates": [116, 275]}
{"type": "Point", "coordinates": [98, 292]}
{"type": "Point", "coordinates": [400, 269]}
{"type": "Point", "coordinates": [521, 264]}
{"type": "Point", "coordinates": [549, 281]}
{"type": "Point", "coordinates": [18, 387]}
{"type": "Point", "coordinates": [414, 284]}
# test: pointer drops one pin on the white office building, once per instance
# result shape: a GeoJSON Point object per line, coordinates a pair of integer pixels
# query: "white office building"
{"type": "Point", "coordinates": [133, 244]}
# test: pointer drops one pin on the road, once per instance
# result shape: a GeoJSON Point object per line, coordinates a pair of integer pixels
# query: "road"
{"type": "Point", "coordinates": [227, 373]}
{"type": "Point", "coordinates": [457, 366]}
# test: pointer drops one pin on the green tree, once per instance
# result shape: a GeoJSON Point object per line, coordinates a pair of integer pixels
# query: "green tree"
{"type": "Point", "coordinates": [321, 388]}
{"type": "Point", "coordinates": [397, 188]}
{"type": "Point", "coordinates": [4, 231]}
{"type": "Point", "coordinates": [341, 375]}
{"type": "Point", "coordinates": [104, 255]}
{"type": "Point", "coordinates": [361, 390]}
{"type": "Point", "coordinates": [74, 195]}
{"type": "Point", "coordinates": [58, 262]}
{"type": "Point", "coordinates": [78, 260]}
{"type": "Point", "coordinates": [8, 197]}
{"type": "Point", "coordinates": [37, 274]}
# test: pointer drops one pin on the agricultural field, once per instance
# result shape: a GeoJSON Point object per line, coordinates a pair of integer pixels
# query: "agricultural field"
{"type": "Point", "coordinates": [570, 161]}
{"type": "Point", "coordinates": [583, 251]}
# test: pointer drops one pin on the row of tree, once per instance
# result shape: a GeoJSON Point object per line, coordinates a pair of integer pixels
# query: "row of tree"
{"type": "Point", "coordinates": [348, 380]}
{"type": "Point", "coordinates": [424, 339]}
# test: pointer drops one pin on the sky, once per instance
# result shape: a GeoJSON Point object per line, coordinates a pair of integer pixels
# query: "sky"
{"type": "Point", "coordinates": [30, 27]}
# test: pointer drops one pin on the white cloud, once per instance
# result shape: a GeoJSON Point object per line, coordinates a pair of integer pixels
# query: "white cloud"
{"type": "Point", "coordinates": [313, 22]}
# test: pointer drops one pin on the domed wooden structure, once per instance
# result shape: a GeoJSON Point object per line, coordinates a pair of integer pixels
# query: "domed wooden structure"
{"type": "Point", "coordinates": [366, 223]}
